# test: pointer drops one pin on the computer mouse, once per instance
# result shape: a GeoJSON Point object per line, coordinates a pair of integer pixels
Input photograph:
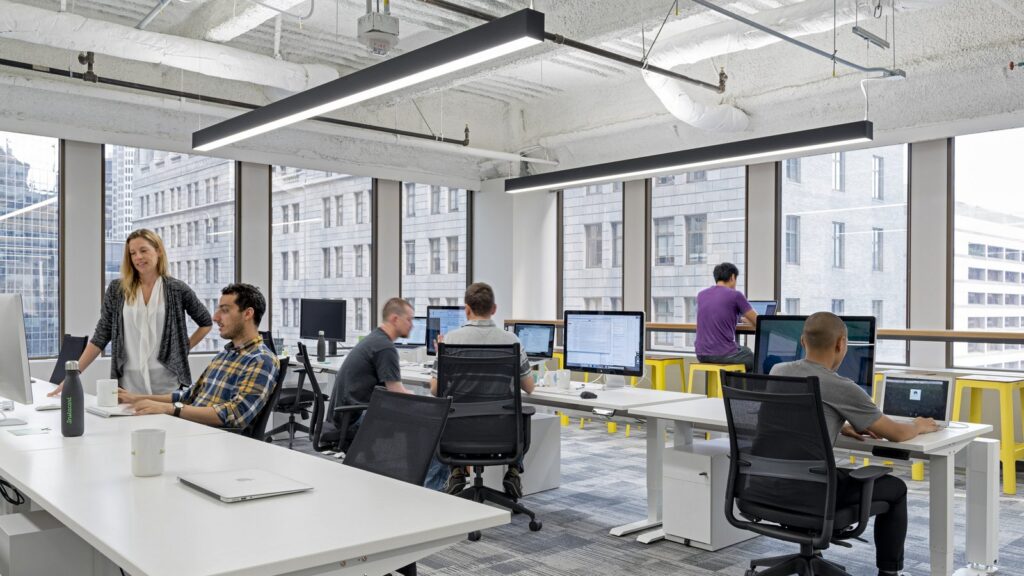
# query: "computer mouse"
{"type": "Point", "coordinates": [587, 395]}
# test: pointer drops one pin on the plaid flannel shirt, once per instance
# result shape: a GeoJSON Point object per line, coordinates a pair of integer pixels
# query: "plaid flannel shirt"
{"type": "Point", "coordinates": [237, 383]}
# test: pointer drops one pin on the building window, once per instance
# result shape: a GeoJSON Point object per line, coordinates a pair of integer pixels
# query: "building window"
{"type": "Point", "coordinates": [793, 169]}
{"type": "Point", "coordinates": [453, 254]}
{"type": "Point", "coordinates": [1013, 277]}
{"type": "Point", "coordinates": [793, 306]}
{"type": "Point", "coordinates": [1012, 255]}
{"type": "Point", "coordinates": [877, 177]}
{"type": "Point", "coordinates": [975, 323]}
{"type": "Point", "coordinates": [339, 210]}
{"type": "Point", "coordinates": [594, 245]}
{"type": "Point", "coordinates": [295, 217]}
{"type": "Point", "coordinates": [975, 298]}
{"type": "Point", "coordinates": [453, 199]}
{"type": "Point", "coordinates": [1012, 299]}
{"type": "Point", "coordinates": [327, 262]}
{"type": "Point", "coordinates": [663, 313]}
{"type": "Point", "coordinates": [435, 199]}
{"type": "Point", "coordinates": [339, 262]}
{"type": "Point", "coordinates": [976, 250]}
{"type": "Point", "coordinates": [689, 316]}
{"type": "Point", "coordinates": [839, 171]}
{"type": "Point", "coordinates": [410, 199]}
{"type": "Point", "coordinates": [838, 306]}
{"type": "Point", "coordinates": [995, 252]}
{"type": "Point", "coordinates": [360, 207]}
{"type": "Point", "coordinates": [696, 230]}
{"type": "Point", "coordinates": [296, 313]}
{"type": "Point", "coordinates": [359, 313]}
{"type": "Point", "coordinates": [838, 244]}
{"type": "Point", "coordinates": [792, 239]}
{"type": "Point", "coordinates": [435, 255]}
{"type": "Point", "coordinates": [994, 300]}
{"type": "Point", "coordinates": [358, 260]}
{"type": "Point", "coordinates": [664, 241]}
{"type": "Point", "coordinates": [616, 244]}
{"type": "Point", "coordinates": [592, 303]}
{"type": "Point", "coordinates": [697, 176]}
{"type": "Point", "coordinates": [975, 273]}
{"type": "Point", "coordinates": [995, 275]}
{"type": "Point", "coordinates": [665, 181]}
{"type": "Point", "coordinates": [877, 248]}
{"type": "Point", "coordinates": [410, 257]}
{"type": "Point", "coordinates": [994, 322]}
{"type": "Point", "coordinates": [285, 312]}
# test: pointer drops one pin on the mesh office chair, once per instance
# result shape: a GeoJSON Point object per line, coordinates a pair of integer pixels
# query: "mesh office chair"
{"type": "Point", "coordinates": [779, 445]}
{"type": "Point", "coordinates": [488, 425]}
{"type": "Point", "coordinates": [268, 339]}
{"type": "Point", "coordinates": [397, 438]}
{"type": "Point", "coordinates": [299, 401]}
{"type": "Point", "coordinates": [339, 435]}
{"type": "Point", "coordinates": [257, 428]}
{"type": "Point", "coordinates": [71, 348]}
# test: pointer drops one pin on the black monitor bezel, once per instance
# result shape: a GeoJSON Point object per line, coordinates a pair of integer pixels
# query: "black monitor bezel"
{"type": "Point", "coordinates": [414, 344]}
{"type": "Point", "coordinates": [624, 372]}
{"type": "Point", "coordinates": [872, 323]}
{"type": "Point", "coordinates": [303, 335]}
{"type": "Point", "coordinates": [551, 337]}
{"type": "Point", "coordinates": [431, 350]}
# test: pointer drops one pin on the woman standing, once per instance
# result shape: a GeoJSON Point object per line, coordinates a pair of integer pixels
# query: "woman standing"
{"type": "Point", "coordinates": [143, 316]}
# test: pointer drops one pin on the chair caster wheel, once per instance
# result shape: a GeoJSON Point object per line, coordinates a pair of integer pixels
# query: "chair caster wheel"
{"type": "Point", "coordinates": [474, 536]}
{"type": "Point", "coordinates": [535, 526]}
{"type": "Point", "coordinates": [750, 572]}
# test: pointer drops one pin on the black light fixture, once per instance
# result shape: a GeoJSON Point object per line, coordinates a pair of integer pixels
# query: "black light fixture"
{"type": "Point", "coordinates": [486, 42]}
{"type": "Point", "coordinates": [697, 158]}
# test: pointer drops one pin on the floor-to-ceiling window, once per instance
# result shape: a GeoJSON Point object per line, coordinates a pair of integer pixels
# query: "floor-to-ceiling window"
{"type": "Point", "coordinates": [988, 244]}
{"type": "Point", "coordinates": [189, 201]}
{"type": "Point", "coordinates": [434, 244]}
{"type": "Point", "coordinates": [321, 242]}
{"type": "Point", "coordinates": [592, 247]}
{"type": "Point", "coordinates": [29, 235]}
{"type": "Point", "coordinates": [698, 220]}
{"type": "Point", "coordinates": [844, 238]}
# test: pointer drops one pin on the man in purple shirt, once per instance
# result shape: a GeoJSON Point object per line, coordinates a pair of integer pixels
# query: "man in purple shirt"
{"type": "Point", "coordinates": [718, 307]}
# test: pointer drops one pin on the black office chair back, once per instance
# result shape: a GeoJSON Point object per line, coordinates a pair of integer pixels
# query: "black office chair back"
{"type": "Point", "coordinates": [779, 445]}
{"type": "Point", "coordinates": [257, 429]}
{"type": "Point", "coordinates": [268, 339]}
{"type": "Point", "coordinates": [487, 417]}
{"type": "Point", "coordinates": [71, 348]}
{"type": "Point", "coordinates": [398, 435]}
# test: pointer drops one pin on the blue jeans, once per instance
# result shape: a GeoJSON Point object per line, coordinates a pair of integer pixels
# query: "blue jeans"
{"type": "Point", "coordinates": [437, 474]}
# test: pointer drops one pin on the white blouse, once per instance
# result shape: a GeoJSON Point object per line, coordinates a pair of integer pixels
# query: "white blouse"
{"type": "Point", "coordinates": [143, 330]}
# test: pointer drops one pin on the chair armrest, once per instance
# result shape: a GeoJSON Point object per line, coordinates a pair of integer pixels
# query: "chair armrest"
{"type": "Point", "coordinates": [866, 475]}
{"type": "Point", "coordinates": [869, 473]}
{"type": "Point", "coordinates": [529, 410]}
{"type": "Point", "coordinates": [339, 410]}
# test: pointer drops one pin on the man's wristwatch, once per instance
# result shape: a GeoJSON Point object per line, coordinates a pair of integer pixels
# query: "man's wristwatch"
{"type": "Point", "coordinates": [177, 408]}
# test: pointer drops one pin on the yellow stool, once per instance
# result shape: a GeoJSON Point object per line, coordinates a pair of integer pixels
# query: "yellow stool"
{"type": "Point", "coordinates": [1009, 449]}
{"type": "Point", "coordinates": [714, 386]}
{"type": "Point", "coordinates": [875, 386]}
{"type": "Point", "coordinates": [561, 359]}
{"type": "Point", "coordinates": [659, 364]}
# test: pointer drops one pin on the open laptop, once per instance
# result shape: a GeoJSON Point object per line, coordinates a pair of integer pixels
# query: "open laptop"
{"type": "Point", "coordinates": [907, 396]}
{"type": "Point", "coordinates": [239, 485]}
{"type": "Point", "coordinates": [764, 307]}
{"type": "Point", "coordinates": [537, 340]}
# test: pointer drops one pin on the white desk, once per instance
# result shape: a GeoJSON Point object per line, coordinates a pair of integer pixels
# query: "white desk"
{"type": "Point", "coordinates": [938, 447]}
{"type": "Point", "coordinates": [354, 522]}
{"type": "Point", "coordinates": [622, 400]}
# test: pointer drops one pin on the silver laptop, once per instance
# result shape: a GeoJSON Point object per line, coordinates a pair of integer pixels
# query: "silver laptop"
{"type": "Point", "coordinates": [110, 411]}
{"type": "Point", "coordinates": [239, 485]}
{"type": "Point", "coordinates": [907, 396]}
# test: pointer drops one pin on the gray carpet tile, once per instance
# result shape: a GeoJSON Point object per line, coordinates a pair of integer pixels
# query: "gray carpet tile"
{"type": "Point", "coordinates": [603, 485]}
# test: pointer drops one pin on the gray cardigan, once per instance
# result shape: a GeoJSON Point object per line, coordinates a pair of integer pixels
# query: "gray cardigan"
{"type": "Point", "coordinates": [179, 300]}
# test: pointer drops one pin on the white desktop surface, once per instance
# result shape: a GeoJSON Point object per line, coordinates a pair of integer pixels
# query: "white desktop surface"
{"type": "Point", "coordinates": [139, 523]}
{"type": "Point", "coordinates": [939, 447]}
{"type": "Point", "coordinates": [625, 398]}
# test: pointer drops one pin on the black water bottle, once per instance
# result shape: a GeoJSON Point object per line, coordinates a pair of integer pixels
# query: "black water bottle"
{"type": "Point", "coordinates": [72, 402]}
{"type": "Point", "coordinates": [321, 348]}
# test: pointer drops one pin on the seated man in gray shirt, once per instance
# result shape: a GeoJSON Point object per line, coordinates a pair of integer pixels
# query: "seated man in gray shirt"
{"type": "Point", "coordinates": [372, 362]}
{"type": "Point", "coordinates": [480, 329]}
{"type": "Point", "coordinates": [849, 411]}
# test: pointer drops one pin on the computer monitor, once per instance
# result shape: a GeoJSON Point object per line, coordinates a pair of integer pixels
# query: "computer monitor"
{"type": "Point", "coordinates": [777, 339]}
{"type": "Point", "coordinates": [323, 315]}
{"type": "Point", "coordinates": [417, 336]}
{"type": "Point", "coordinates": [907, 396]}
{"type": "Point", "coordinates": [605, 342]}
{"type": "Point", "coordinates": [538, 340]}
{"type": "Point", "coordinates": [441, 320]}
{"type": "Point", "coordinates": [15, 377]}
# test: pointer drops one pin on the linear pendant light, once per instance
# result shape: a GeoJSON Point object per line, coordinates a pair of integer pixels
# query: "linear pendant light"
{"type": "Point", "coordinates": [685, 160]}
{"type": "Point", "coordinates": [486, 42]}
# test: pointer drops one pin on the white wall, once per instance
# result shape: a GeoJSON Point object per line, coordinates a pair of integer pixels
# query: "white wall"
{"type": "Point", "coordinates": [761, 234]}
{"type": "Point", "coordinates": [929, 236]}
{"type": "Point", "coordinates": [634, 245]}
{"type": "Point", "coordinates": [387, 243]}
{"type": "Point", "coordinates": [493, 245]}
{"type": "Point", "coordinates": [253, 237]}
{"type": "Point", "coordinates": [534, 258]}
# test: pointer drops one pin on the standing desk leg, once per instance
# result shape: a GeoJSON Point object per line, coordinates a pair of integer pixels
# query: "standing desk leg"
{"type": "Point", "coordinates": [655, 446]}
{"type": "Point", "coordinates": [982, 508]}
{"type": "Point", "coordinates": [682, 440]}
{"type": "Point", "coordinates": [940, 513]}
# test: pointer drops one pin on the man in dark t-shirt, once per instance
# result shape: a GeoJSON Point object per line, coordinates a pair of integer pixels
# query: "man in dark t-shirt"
{"type": "Point", "coordinates": [718, 307]}
{"type": "Point", "coordinates": [373, 362]}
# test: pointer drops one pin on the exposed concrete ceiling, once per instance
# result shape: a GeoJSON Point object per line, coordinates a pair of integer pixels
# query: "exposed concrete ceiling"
{"type": "Point", "coordinates": [551, 101]}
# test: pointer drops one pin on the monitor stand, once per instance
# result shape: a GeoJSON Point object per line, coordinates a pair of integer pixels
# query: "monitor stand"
{"type": "Point", "coordinates": [8, 421]}
{"type": "Point", "coordinates": [332, 348]}
{"type": "Point", "coordinates": [614, 381]}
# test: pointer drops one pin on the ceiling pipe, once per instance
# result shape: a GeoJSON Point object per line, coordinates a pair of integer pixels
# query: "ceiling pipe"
{"type": "Point", "coordinates": [559, 39]}
{"type": "Point", "coordinates": [422, 140]}
{"type": "Point", "coordinates": [152, 14]}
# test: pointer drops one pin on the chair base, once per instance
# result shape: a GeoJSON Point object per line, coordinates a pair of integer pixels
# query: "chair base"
{"type": "Point", "coordinates": [803, 564]}
{"type": "Point", "coordinates": [480, 493]}
{"type": "Point", "coordinates": [291, 427]}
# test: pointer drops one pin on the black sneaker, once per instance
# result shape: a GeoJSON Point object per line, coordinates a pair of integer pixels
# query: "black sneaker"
{"type": "Point", "coordinates": [513, 483]}
{"type": "Point", "coordinates": [456, 482]}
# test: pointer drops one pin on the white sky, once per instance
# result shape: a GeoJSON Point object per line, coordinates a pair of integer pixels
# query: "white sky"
{"type": "Point", "coordinates": [39, 152]}
{"type": "Point", "coordinates": [988, 173]}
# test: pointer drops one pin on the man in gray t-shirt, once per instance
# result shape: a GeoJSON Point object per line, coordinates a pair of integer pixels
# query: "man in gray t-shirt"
{"type": "Point", "coordinates": [481, 329]}
{"type": "Point", "coordinates": [849, 411]}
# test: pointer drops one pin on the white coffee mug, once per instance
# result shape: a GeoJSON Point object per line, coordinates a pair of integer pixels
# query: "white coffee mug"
{"type": "Point", "coordinates": [563, 379]}
{"type": "Point", "coordinates": [106, 393]}
{"type": "Point", "coordinates": [148, 452]}
{"type": "Point", "coordinates": [549, 378]}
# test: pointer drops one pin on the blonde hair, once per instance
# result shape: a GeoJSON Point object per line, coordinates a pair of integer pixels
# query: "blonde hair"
{"type": "Point", "coordinates": [130, 280]}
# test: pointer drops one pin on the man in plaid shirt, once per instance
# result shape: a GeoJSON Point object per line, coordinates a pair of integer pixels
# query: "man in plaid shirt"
{"type": "Point", "coordinates": [237, 384]}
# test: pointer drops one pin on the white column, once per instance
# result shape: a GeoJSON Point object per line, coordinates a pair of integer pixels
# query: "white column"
{"type": "Point", "coordinates": [928, 241]}
{"type": "Point", "coordinates": [493, 249]}
{"type": "Point", "coordinates": [634, 245]}
{"type": "Point", "coordinates": [535, 262]}
{"type": "Point", "coordinates": [82, 211]}
{"type": "Point", "coordinates": [761, 231]}
{"type": "Point", "coordinates": [253, 238]}
{"type": "Point", "coordinates": [387, 243]}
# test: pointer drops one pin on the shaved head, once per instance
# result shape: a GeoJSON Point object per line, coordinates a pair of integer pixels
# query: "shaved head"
{"type": "Point", "coordinates": [822, 330]}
